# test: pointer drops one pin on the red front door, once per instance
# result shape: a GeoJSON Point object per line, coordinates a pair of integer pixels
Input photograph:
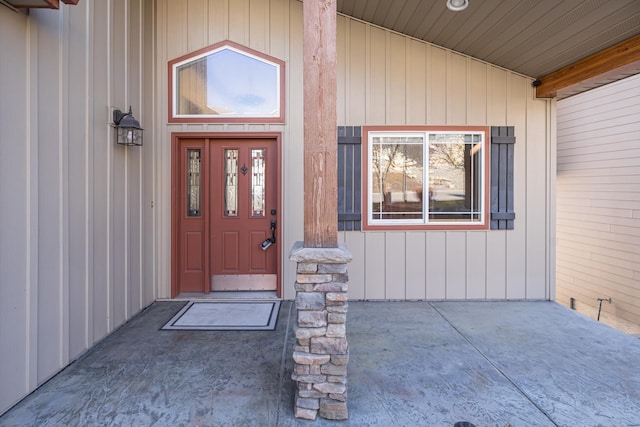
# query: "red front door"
{"type": "Point", "coordinates": [244, 215]}
{"type": "Point", "coordinates": [225, 214]}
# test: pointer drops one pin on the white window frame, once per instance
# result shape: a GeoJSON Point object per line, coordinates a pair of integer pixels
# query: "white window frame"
{"type": "Point", "coordinates": [276, 117]}
{"type": "Point", "coordinates": [371, 223]}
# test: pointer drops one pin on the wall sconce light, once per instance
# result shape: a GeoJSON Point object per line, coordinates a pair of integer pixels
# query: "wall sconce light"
{"type": "Point", "coordinates": [128, 130]}
{"type": "Point", "coordinates": [457, 5]}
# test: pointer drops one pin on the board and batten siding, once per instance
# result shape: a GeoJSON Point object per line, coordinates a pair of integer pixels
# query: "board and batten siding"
{"type": "Point", "coordinates": [272, 27]}
{"type": "Point", "coordinates": [73, 223]}
{"type": "Point", "coordinates": [388, 79]}
{"type": "Point", "coordinates": [598, 206]}
{"type": "Point", "coordinates": [383, 79]}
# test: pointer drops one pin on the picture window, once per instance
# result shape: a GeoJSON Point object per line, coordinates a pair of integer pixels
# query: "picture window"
{"type": "Point", "coordinates": [426, 177]}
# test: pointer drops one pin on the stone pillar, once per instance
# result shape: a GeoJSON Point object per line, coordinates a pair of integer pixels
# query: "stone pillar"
{"type": "Point", "coordinates": [321, 351]}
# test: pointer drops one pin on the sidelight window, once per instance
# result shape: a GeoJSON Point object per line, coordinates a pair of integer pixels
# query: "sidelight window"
{"type": "Point", "coordinates": [193, 182]}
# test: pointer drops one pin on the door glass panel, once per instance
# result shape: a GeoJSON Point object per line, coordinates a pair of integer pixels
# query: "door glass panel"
{"type": "Point", "coordinates": [231, 183]}
{"type": "Point", "coordinates": [257, 182]}
{"type": "Point", "coordinates": [193, 182]}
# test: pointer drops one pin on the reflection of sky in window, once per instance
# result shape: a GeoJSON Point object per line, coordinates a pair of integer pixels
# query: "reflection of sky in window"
{"type": "Point", "coordinates": [241, 85]}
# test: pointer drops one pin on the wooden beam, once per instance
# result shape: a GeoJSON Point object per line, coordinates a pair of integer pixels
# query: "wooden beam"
{"type": "Point", "coordinates": [320, 124]}
{"type": "Point", "coordinates": [50, 4]}
{"type": "Point", "coordinates": [29, 4]}
{"type": "Point", "coordinates": [606, 64]}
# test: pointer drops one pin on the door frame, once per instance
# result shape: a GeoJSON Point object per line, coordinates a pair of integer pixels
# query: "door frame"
{"type": "Point", "coordinates": [176, 208]}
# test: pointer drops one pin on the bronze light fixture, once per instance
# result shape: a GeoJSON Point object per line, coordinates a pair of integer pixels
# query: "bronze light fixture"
{"type": "Point", "coordinates": [128, 130]}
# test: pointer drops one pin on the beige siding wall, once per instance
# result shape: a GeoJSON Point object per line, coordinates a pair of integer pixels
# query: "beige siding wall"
{"type": "Point", "coordinates": [389, 79]}
{"type": "Point", "coordinates": [383, 78]}
{"type": "Point", "coordinates": [72, 219]}
{"type": "Point", "coordinates": [598, 190]}
{"type": "Point", "coordinates": [263, 25]}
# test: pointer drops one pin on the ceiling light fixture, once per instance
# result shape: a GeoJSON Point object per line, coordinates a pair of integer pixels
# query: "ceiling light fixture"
{"type": "Point", "coordinates": [457, 5]}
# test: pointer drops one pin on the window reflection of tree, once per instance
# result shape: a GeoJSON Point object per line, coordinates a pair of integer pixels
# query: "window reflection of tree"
{"type": "Point", "coordinates": [398, 171]}
{"type": "Point", "coordinates": [453, 169]}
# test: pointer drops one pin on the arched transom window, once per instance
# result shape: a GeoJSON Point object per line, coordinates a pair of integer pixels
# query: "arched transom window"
{"type": "Point", "coordinates": [226, 82]}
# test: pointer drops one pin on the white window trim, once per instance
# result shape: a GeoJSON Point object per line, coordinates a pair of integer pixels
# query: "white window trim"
{"type": "Point", "coordinates": [174, 98]}
{"type": "Point", "coordinates": [425, 222]}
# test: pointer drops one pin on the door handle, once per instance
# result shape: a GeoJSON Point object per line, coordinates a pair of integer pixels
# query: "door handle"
{"type": "Point", "coordinates": [271, 240]}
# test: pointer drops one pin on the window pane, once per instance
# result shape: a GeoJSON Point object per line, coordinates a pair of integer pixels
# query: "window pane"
{"type": "Point", "coordinates": [228, 83]}
{"type": "Point", "coordinates": [231, 183]}
{"type": "Point", "coordinates": [426, 177]}
{"type": "Point", "coordinates": [257, 182]}
{"type": "Point", "coordinates": [455, 177]}
{"type": "Point", "coordinates": [191, 90]}
{"type": "Point", "coordinates": [193, 183]}
{"type": "Point", "coordinates": [397, 177]}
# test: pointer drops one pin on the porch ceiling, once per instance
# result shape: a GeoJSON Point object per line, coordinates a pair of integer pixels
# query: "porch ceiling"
{"type": "Point", "coordinates": [532, 37]}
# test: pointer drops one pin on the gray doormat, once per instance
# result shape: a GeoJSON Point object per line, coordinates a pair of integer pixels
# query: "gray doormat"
{"type": "Point", "coordinates": [225, 316]}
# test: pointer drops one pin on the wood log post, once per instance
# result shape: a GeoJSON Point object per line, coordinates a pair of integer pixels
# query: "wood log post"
{"type": "Point", "coordinates": [320, 125]}
{"type": "Point", "coordinates": [321, 351]}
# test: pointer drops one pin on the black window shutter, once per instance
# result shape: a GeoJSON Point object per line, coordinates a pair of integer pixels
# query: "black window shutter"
{"type": "Point", "coordinates": [502, 150]}
{"type": "Point", "coordinates": [349, 177]}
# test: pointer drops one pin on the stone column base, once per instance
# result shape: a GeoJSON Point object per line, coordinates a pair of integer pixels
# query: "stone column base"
{"type": "Point", "coordinates": [321, 352]}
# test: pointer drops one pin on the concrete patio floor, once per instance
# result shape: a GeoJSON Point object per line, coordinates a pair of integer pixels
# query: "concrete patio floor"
{"type": "Point", "coordinates": [412, 364]}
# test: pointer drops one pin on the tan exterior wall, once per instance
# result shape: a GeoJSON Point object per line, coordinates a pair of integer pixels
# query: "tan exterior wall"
{"type": "Point", "coordinates": [85, 224]}
{"type": "Point", "coordinates": [75, 209]}
{"type": "Point", "coordinates": [599, 203]}
{"type": "Point", "coordinates": [384, 79]}
{"type": "Point", "coordinates": [183, 27]}
{"type": "Point", "coordinates": [389, 79]}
